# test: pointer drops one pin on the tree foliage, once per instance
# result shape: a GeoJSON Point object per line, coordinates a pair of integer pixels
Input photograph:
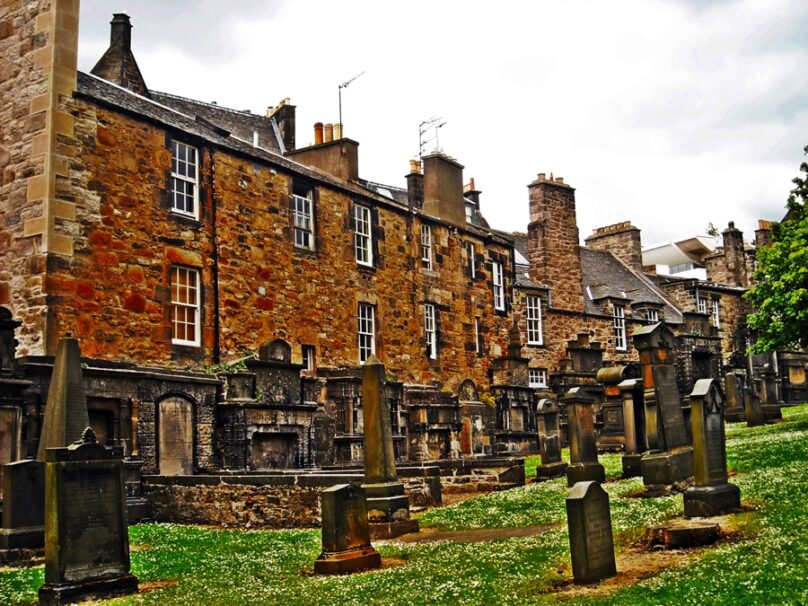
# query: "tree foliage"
{"type": "Point", "coordinates": [780, 297]}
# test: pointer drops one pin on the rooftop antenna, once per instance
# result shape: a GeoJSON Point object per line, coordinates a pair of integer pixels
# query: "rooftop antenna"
{"type": "Point", "coordinates": [422, 130]}
{"type": "Point", "coordinates": [345, 85]}
{"type": "Point", "coordinates": [437, 140]}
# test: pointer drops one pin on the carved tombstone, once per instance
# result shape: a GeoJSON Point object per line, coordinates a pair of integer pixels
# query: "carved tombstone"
{"type": "Point", "coordinates": [551, 466]}
{"type": "Point", "coordinates": [86, 536]}
{"type": "Point", "coordinates": [23, 509]}
{"type": "Point", "coordinates": [751, 404]}
{"type": "Point", "coordinates": [584, 465]}
{"type": "Point", "coordinates": [670, 457]}
{"type": "Point", "coordinates": [769, 400]}
{"type": "Point", "coordinates": [388, 506]}
{"type": "Point", "coordinates": [631, 392]}
{"type": "Point", "coordinates": [590, 530]}
{"type": "Point", "coordinates": [712, 494]}
{"type": "Point", "coordinates": [734, 410]}
{"type": "Point", "coordinates": [346, 534]}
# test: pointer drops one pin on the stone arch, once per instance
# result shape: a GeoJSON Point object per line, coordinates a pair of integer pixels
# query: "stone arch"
{"type": "Point", "coordinates": [175, 436]}
{"type": "Point", "coordinates": [275, 351]}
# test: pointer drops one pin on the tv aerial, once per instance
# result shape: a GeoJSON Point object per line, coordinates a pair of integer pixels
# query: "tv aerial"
{"type": "Point", "coordinates": [435, 122]}
{"type": "Point", "coordinates": [345, 85]}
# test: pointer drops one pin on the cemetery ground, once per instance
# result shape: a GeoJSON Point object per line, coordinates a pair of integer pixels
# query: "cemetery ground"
{"type": "Point", "coordinates": [508, 547]}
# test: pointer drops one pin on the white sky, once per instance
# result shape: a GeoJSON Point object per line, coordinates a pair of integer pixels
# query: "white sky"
{"type": "Point", "coordinates": [671, 114]}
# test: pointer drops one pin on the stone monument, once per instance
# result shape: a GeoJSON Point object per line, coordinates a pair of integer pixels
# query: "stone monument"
{"type": "Point", "coordinates": [346, 534]}
{"type": "Point", "coordinates": [670, 456]}
{"type": "Point", "coordinates": [86, 535]}
{"type": "Point", "coordinates": [22, 535]}
{"type": "Point", "coordinates": [612, 434]}
{"type": "Point", "coordinates": [751, 404]}
{"type": "Point", "coordinates": [388, 506]}
{"type": "Point", "coordinates": [590, 530]}
{"type": "Point", "coordinates": [734, 411]}
{"type": "Point", "coordinates": [549, 441]}
{"type": "Point", "coordinates": [584, 464]}
{"type": "Point", "coordinates": [631, 391]}
{"type": "Point", "coordinates": [712, 494]}
{"type": "Point", "coordinates": [769, 401]}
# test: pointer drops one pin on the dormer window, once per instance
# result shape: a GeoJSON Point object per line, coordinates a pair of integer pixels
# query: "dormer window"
{"type": "Point", "coordinates": [184, 180]}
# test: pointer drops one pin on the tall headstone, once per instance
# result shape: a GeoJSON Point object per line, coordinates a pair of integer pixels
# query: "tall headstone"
{"type": "Point", "coordinates": [712, 494]}
{"type": "Point", "coordinates": [584, 465]}
{"type": "Point", "coordinates": [86, 536]}
{"type": "Point", "coordinates": [388, 506]}
{"type": "Point", "coordinates": [589, 522]}
{"type": "Point", "coordinates": [734, 410]}
{"type": "Point", "coordinates": [346, 534]}
{"type": "Point", "coordinates": [66, 410]}
{"type": "Point", "coordinates": [753, 411]}
{"type": "Point", "coordinates": [769, 400]}
{"type": "Point", "coordinates": [631, 392]}
{"type": "Point", "coordinates": [551, 466]}
{"type": "Point", "coordinates": [672, 459]}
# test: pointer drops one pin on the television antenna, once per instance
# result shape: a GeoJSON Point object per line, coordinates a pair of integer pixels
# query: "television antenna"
{"type": "Point", "coordinates": [432, 122]}
{"type": "Point", "coordinates": [345, 85]}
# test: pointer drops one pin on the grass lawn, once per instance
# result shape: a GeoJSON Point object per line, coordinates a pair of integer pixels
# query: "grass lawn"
{"type": "Point", "coordinates": [770, 566]}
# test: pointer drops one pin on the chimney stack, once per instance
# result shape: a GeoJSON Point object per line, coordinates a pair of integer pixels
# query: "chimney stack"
{"type": "Point", "coordinates": [118, 64]}
{"type": "Point", "coordinates": [284, 116]}
{"type": "Point", "coordinates": [620, 239]}
{"type": "Point", "coordinates": [443, 188]}
{"type": "Point", "coordinates": [415, 185]}
{"type": "Point", "coordinates": [120, 33]}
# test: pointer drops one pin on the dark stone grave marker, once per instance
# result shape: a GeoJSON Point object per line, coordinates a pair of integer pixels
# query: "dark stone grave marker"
{"type": "Point", "coordinates": [549, 441]}
{"type": "Point", "coordinates": [769, 401]}
{"type": "Point", "coordinates": [388, 506]}
{"type": "Point", "coordinates": [751, 404]}
{"type": "Point", "coordinates": [23, 510]}
{"type": "Point", "coordinates": [86, 536]}
{"type": "Point", "coordinates": [633, 414]}
{"type": "Point", "coordinates": [712, 494]}
{"type": "Point", "coordinates": [346, 534]}
{"type": "Point", "coordinates": [584, 463]}
{"type": "Point", "coordinates": [734, 410]}
{"type": "Point", "coordinates": [590, 530]}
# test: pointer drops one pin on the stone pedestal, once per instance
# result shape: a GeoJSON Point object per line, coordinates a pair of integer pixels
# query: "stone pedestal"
{"type": "Point", "coordinates": [631, 392]}
{"type": "Point", "coordinates": [547, 471]}
{"type": "Point", "coordinates": [667, 467]}
{"type": "Point", "coordinates": [632, 466]}
{"type": "Point", "coordinates": [584, 464]}
{"type": "Point", "coordinates": [552, 466]}
{"type": "Point", "coordinates": [388, 510]}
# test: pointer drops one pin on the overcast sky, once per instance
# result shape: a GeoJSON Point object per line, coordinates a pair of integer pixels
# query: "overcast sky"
{"type": "Point", "coordinates": [671, 114]}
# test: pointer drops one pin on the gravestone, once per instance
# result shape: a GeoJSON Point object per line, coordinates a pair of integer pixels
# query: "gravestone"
{"type": "Point", "coordinates": [584, 465]}
{"type": "Point", "coordinates": [631, 391]}
{"type": "Point", "coordinates": [670, 456]}
{"type": "Point", "coordinates": [388, 506]}
{"type": "Point", "coordinates": [769, 401]}
{"type": "Point", "coordinates": [712, 495]}
{"type": "Point", "coordinates": [86, 536]}
{"type": "Point", "coordinates": [551, 466]}
{"type": "Point", "coordinates": [734, 410]}
{"type": "Point", "coordinates": [346, 534]}
{"type": "Point", "coordinates": [751, 404]}
{"type": "Point", "coordinates": [590, 530]}
{"type": "Point", "coordinates": [612, 434]}
{"type": "Point", "coordinates": [22, 535]}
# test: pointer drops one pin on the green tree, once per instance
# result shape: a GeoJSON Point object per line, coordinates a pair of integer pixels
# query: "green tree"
{"type": "Point", "coordinates": [780, 297]}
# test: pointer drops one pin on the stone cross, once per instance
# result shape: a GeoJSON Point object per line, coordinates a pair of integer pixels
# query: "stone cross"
{"type": "Point", "coordinates": [86, 536]}
{"type": "Point", "coordinates": [584, 463]}
{"type": "Point", "coordinates": [346, 534]}
{"type": "Point", "coordinates": [590, 531]}
{"type": "Point", "coordinates": [712, 494]}
{"type": "Point", "coordinates": [549, 441]}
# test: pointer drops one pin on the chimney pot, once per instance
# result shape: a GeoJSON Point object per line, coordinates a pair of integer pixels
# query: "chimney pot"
{"type": "Point", "coordinates": [318, 133]}
{"type": "Point", "coordinates": [329, 133]}
{"type": "Point", "coordinates": [560, 180]}
{"type": "Point", "coordinates": [542, 176]}
{"type": "Point", "coordinates": [415, 167]}
{"type": "Point", "coordinates": [337, 131]}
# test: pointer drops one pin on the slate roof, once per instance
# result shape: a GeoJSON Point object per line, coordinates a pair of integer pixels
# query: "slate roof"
{"type": "Point", "coordinates": [661, 280]}
{"type": "Point", "coordinates": [604, 275]}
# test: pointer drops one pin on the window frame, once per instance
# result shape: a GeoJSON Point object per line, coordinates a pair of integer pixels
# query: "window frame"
{"type": "Point", "coordinates": [305, 233]}
{"type": "Point", "coordinates": [177, 305]}
{"type": "Point", "coordinates": [541, 382]}
{"type": "Point", "coordinates": [498, 277]}
{"type": "Point", "coordinates": [534, 325]}
{"type": "Point", "coordinates": [478, 337]}
{"type": "Point", "coordinates": [619, 326]}
{"type": "Point", "coordinates": [431, 330]}
{"type": "Point", "coordinates": [309, 357]}
{"type": "Point", "coordinates": [652, 315]}
{"type": "Point", "coordinates": [179, 177]}
{"type": "Point", "coordinates": [701, 304]}
{"type": "Point", "coordinates": [363, 239]}
{"type": "Point", "coordinates": [426, 246]}
{"type": "Point", "coordinates": [472, 260]}
{"type": "Point", "coordinates": [715, 312]}
{"type": "Point", "coordinates": [366, 331]}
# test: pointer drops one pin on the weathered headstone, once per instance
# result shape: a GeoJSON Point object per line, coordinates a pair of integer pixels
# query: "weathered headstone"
{"type": "Point", "coordinates": [769, 401]}
{"type": "Point", "coordinates": [590, 530]}
{"type": "Point", "coordinates": [631, 391]}
{"type": "Point", "coordinates": [612, 435]}
{"type": "Point", "coordinates": [712, 494]}
{"type": "Point", "coordinates": [751, 404]}
{"type": "Point", "coordinates": [734, 410]}
{"type": "Point", "coordinates": [388, 506]}
{"type": "Point", "coordinates": [670, 456]}
{"type": "Point", "coordinates": [346, 534]}
{"type": "Point", "coordinates": [584, 465]}
{"type": "Point", "coordinates": [551, 466]}
{"type": "Point", "coordinates": [86, 536]}
{"type": "Point", "coordinates": [22, 534]}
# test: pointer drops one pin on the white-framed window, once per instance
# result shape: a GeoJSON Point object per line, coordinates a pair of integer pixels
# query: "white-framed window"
{"type": "Point", "coordinates": [184, 179]}
{"type": "Point", "coordinates": [309, 358]}
{"type": "Point", "coordinates": [533, 319]}
{"type": "Point", "coordinates": [478, 337]}
{"type": "Point", "coordinates": [426, 246]}
{"type": "Point", "coordinates": [472, 261]}
{"type": "Point", "coordinates": [303, 216]}
{"type": "Point", "coordinates": [499, 288]}
{"type": "Point", "coordinates": [652, 315]}
{"type": "Point", "coordinates": [619, 317]}
{"type": "Point", "coordinates": [366, 331]}
{"type": "Point", "coordinates": [715, 313]}
{"type": "Point", "coordinates": [537, 377]}
{"type": "Point", "coordinates": [363, 239]}
{"type": "Point", "coordinates": [702, 304]}
{"type": "Point", "coordinates": [430, 331]}
{"type": "Point", "coordinates": [185, 306]}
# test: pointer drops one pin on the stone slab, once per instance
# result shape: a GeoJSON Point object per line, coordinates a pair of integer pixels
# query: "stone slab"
{"type": "Point", "coordinates": [632, 466]}
{"type": "Point", "coordinates": [707, 501]}
{"type": "Point", "coordinates": [585, 472]}
{"type": "Point", "coordinates": [58, 594]}
{"type": "Point", "coordinates": [32, 537]}
{"type": "Point", "coordinates": [550, 470]}
{"type": "Point", "coordinates": [344, 562]}
{"type": "Point", "coordinates": [391, 530]}
{"type": "Point", "coordinates": [679, 534]}
{"type": "Point", "coordinates": [667, 467]}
